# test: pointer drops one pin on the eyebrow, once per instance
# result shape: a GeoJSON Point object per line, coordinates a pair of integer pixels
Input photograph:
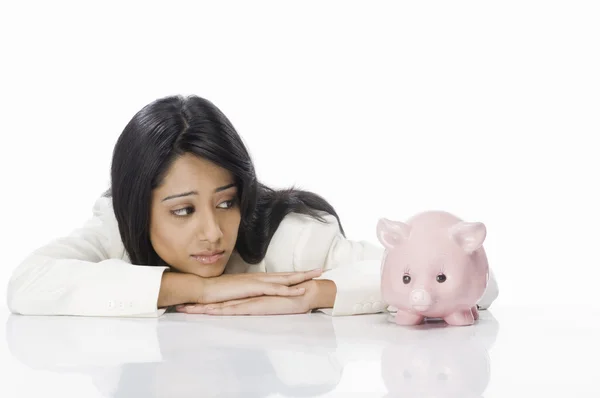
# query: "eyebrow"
{"type": "Point", "coordinates": [179, 195]}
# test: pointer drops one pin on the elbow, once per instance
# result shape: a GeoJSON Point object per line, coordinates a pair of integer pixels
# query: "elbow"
{"type": "Point", "coordinates": [18, 296]}
{"type": "Point", "coordinates": [26, 291]}
{"type": "Point", "coordinates": [16, 299]}
{"type": "Point", "coordinates": [25, 299]}
{"type": "Point", "coordinates": [490, 294]}
{"type": "Point", "coordinates": [16, 304]}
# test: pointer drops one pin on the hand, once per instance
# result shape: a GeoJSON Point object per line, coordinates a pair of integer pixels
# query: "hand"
{"type": "Point", "coordinates": [319, 294]}
{"type": "Point", "coordinates": [264, 305]}
{"type": "Point", "coordinates": [242, 286]}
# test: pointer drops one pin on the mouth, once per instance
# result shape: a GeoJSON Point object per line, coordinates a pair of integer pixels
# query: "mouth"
{"type": "Point", "coordinates": [208, 257]}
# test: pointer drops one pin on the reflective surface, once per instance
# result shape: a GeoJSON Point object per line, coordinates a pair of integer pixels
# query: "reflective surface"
{"type": "Point", "coordinates": [508, 352]}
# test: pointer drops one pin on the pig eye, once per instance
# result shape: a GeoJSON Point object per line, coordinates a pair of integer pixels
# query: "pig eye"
{"type": "Point", "coordinates": [406, 279]}
{"type": "Point", "coordinates": [441, 278]}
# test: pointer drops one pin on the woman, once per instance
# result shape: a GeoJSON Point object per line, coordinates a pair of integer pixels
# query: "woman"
{"type": "Point", "coordinates": [186, 224]}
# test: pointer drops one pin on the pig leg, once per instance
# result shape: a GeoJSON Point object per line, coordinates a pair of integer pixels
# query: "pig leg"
{"type": "Point", "coordinates": [408, 318]}
{"type": "Point", "coordinates": [460, 318]}
{"type": "Point", "coordinates": [475, 313]}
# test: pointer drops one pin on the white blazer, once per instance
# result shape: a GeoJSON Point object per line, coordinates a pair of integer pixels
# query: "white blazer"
{"type": "Point", "coordinates": [89, 273]}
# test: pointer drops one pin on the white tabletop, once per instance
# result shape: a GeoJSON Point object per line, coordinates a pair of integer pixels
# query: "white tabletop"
{"type": "Point", "coordinates": [509, 352]}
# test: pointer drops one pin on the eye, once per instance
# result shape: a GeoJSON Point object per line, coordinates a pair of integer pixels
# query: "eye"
{"type": "Point", "coordinates": [441, 278]}
{"type": "Point", "coordinates": [182, 212]}
{"type": "Point", "coordinates": [229, 203]}
{"type": "Point", "coordinates": [406, 279]}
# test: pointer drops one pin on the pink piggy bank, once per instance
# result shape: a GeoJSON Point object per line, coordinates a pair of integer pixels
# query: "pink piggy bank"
{"type": "Point", "coordinates": [434, 266]}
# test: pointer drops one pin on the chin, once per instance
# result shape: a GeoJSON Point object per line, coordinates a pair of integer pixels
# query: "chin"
{"type": "Point", "coordinates": [210, 273]}
{"type": "Point", "coordinates": [206, 270]}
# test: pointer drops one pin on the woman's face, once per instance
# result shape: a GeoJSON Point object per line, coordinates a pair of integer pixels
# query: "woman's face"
{"type": "Point", "coordinates": [195, 217]}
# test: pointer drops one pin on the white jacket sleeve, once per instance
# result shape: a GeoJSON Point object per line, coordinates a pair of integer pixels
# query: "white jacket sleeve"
{"type": "Point", "coordinates": [354, 266]}
{"type": "Point", "coordinates": [302, 243]}
{"type": "Point", "coordinates": [86, 273]}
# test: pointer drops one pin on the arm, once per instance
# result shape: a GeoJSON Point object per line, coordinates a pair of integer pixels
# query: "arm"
{"type": "Point", "coordinates": [491, 293]}
{"type": "Point", "coordinates": [179, 288]}
{"type": "Point", "coordinates": [87, 273]}
{"type": "Point", "coordinates": [325, 292]}
{"type": "Point", "coordinates": [351, 282]}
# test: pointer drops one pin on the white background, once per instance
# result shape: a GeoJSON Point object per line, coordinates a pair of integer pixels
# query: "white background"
{"type": "Point", "coordinates": [489, 110]}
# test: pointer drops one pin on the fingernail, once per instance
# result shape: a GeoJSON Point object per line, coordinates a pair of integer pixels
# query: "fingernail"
{"type": "Point", "coordinates": [190, 307]}
{"type": "Point", "coordinates": [301, 289]}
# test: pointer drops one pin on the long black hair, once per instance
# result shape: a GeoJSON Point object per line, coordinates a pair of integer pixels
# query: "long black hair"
{"type": "Point", "coordinates": [173, 126]}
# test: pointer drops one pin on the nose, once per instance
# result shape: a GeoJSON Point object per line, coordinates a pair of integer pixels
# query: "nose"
{"type": "Point", "coordinates": [420, 297]}
{"type": "Point", "coordinates": [209, 229]}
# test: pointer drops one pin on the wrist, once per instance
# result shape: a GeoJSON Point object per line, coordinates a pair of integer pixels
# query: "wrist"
{"type": "Point", "coordinates": [179, 288]}
{"type": "Point", "coordinates": [323, 295]}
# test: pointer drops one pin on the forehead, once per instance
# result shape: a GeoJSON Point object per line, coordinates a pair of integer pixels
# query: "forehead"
{"type": "Point", "coordinates": [432, 249]}
{"type": "Point", "coordinates": [189, 169]}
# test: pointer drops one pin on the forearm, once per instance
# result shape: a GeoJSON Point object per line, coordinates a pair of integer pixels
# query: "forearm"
{"type": "Point", "coordinates": [43, 285]}
{"type": "Point", "coordinates": [358, 288]}
{"type": "Point", "coordinates": [179, 288]}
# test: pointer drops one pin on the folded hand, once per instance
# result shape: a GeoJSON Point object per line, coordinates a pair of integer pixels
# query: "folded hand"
{"type": "Point", "coordinates": [262, 305]}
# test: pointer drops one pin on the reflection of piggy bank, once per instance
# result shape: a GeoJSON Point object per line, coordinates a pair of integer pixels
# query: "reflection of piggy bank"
{"type": "Point", "coordinates": [434, 266]}
{"type": "Point", "coordinates": [437, 360]}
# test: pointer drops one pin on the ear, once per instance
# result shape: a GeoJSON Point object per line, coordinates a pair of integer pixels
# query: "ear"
{"type": "Point", "coordinates": [468, 235]}
{"type": "Point", "coordinates": [392, 233]}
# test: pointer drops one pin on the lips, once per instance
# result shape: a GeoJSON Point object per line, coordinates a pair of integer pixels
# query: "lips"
{"type": "Point", "coordinates": [208, 257]}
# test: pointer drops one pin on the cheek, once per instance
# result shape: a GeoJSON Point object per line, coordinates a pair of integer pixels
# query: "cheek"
{"type": "Point", "coordinates": [231, 227]}
{"type": "Point", "coordinates": [167, 240]}
{"type": "Point", "coordinates": [453, 289]}
{"type": "Point", "coordinates": [160, 238]}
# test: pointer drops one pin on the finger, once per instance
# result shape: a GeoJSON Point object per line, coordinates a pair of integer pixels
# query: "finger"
{"type": "Point", "coordinates": [292, 278]}
{"type": "Point", "coordinates": [316, 270]}
{"type": "Point", "coordinates": [304, 276]}
{"type": "Point", "coordinates": [203, 308]}
{"type": "Point", "coordinates": [195, 308]}
{"type": "Point", "coordinates": [275, 289]}
{"type": "Point", "coordinates": [258, 306]}
{"type": "Point", "coordinates": [191, 308]}
{"type": "Point", "coordinates": [267, 274]}
{"type": "Point", "coordinates": [228, 303]}
{"type": "Point", "coordinates": [243, 308]}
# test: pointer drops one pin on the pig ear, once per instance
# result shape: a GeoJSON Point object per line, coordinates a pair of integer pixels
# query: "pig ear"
{"type": "Point", "coordinates": [469, 235]}
{"type": "Point", "coordinates": [392, 233]}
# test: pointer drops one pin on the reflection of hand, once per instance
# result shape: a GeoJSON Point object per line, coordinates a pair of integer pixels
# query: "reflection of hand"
{"type": "Point", "coordinates": [317, 294]}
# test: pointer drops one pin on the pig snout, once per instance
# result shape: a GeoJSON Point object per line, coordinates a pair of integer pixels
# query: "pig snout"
{"type": "Point", "coordinates": [420, 300]}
